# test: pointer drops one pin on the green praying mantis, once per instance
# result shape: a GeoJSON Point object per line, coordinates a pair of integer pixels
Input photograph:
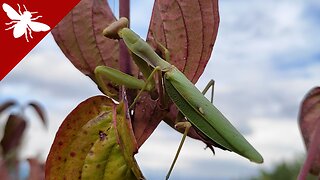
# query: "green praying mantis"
{"type": "Point", "coordinates": [197, 109]}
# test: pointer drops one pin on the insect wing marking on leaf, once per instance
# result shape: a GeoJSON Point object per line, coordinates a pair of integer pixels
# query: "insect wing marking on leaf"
{"type": "Point", "coordinates": [23, 23]}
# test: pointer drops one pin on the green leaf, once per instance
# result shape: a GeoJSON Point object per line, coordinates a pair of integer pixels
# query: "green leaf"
{"type": "Point", "coordinates": [90, 145]}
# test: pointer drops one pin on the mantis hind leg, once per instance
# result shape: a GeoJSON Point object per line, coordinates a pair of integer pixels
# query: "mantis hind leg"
{"type": "Point", "coordinates": [186, 125]}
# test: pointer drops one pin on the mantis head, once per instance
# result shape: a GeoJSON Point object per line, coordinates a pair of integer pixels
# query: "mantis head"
{"type": "Point", "coordinates": [112, 31]}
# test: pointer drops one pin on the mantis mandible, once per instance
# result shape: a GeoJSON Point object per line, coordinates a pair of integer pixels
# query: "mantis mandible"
{"type": "Point", "coordinates": [198, 110]}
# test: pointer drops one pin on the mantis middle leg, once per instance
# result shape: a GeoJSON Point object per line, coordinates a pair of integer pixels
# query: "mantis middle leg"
{"type": "Point", "coordinates": [186, 125]}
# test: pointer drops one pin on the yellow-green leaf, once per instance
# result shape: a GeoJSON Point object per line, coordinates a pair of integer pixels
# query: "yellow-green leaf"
{"type": "Point", "coordinates": [95, 141]}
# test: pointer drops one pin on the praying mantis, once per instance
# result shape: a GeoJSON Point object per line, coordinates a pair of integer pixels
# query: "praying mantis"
{"type": "Point", "coordinates": [197, 109]}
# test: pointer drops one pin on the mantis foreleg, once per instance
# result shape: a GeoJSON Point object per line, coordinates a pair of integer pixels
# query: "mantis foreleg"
{"type": "Point", "coordinates": [117, 78]}
{"type": "Point", "coordinates": [146, 87]}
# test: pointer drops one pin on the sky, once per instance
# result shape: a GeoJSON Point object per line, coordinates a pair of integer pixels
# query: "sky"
{"type": "Point", "coordinates": [265, 59]}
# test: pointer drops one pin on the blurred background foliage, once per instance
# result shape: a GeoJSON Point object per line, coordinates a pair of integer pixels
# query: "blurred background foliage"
{"type": "Point", "coordinates": [11, 165]}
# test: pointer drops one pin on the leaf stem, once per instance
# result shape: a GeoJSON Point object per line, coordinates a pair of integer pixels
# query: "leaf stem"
{"type": "Point", "coordinates": [124, 57]}
{"type": "Point", "coordinates": [125, 65]}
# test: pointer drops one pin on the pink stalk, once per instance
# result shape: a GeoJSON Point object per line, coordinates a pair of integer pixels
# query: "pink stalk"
{"type": "Point", "coordinates": [125, 65]}
{"type": "Point", "coordinates": [124, 57]}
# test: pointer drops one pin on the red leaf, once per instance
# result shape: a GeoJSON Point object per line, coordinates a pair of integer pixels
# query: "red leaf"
{"type": "Point", "coordinates": [309, 121]}
{"type": "Point", "coordinates": [13, 133]}
{"type": "Point", "coordinates": [147, 116]}
{"type": "Point", "coordinates": [79, 35]}
{"type": "Point", "coordinates": [188, 29]}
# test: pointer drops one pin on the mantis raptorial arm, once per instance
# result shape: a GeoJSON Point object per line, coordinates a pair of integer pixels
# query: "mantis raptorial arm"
{"type": "Point", "coordinates": [118, 78]}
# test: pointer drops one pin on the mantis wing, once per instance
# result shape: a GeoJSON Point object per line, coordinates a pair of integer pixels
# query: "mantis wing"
{"type": "Point", "coordinates": [207, 118]}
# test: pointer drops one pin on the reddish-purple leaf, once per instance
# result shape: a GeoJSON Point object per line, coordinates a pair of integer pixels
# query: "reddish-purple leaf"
{"type": "Point", "coordinates": [13, 132]}
{"type": "Point", "coordinates": [188, 29]}
{"type": "Point", "coordinates": [79, 35]}
{"type": "Point", "coordinates": [40, 111]}
{"type": "Point", "coordinates": [309, 121]}
{"type": "Point", "coordinates": [147, 116]}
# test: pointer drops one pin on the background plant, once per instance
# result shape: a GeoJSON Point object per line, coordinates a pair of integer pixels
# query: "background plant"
{"type": "Point", "coordinates": [13, 133]}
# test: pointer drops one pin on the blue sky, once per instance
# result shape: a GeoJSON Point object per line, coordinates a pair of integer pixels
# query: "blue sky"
{"type": "Point", "coordinates": [265, 59]}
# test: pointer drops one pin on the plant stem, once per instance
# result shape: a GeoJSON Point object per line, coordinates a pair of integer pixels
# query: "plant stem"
{"type": "Point", "coordinates": [125, 65]}
{"type": "Point", "coordinates": [124, 57]}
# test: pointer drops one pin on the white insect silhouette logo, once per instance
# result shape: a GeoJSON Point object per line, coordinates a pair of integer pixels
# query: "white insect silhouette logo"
{"type": "Point", "coordinates": [23, 22]}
